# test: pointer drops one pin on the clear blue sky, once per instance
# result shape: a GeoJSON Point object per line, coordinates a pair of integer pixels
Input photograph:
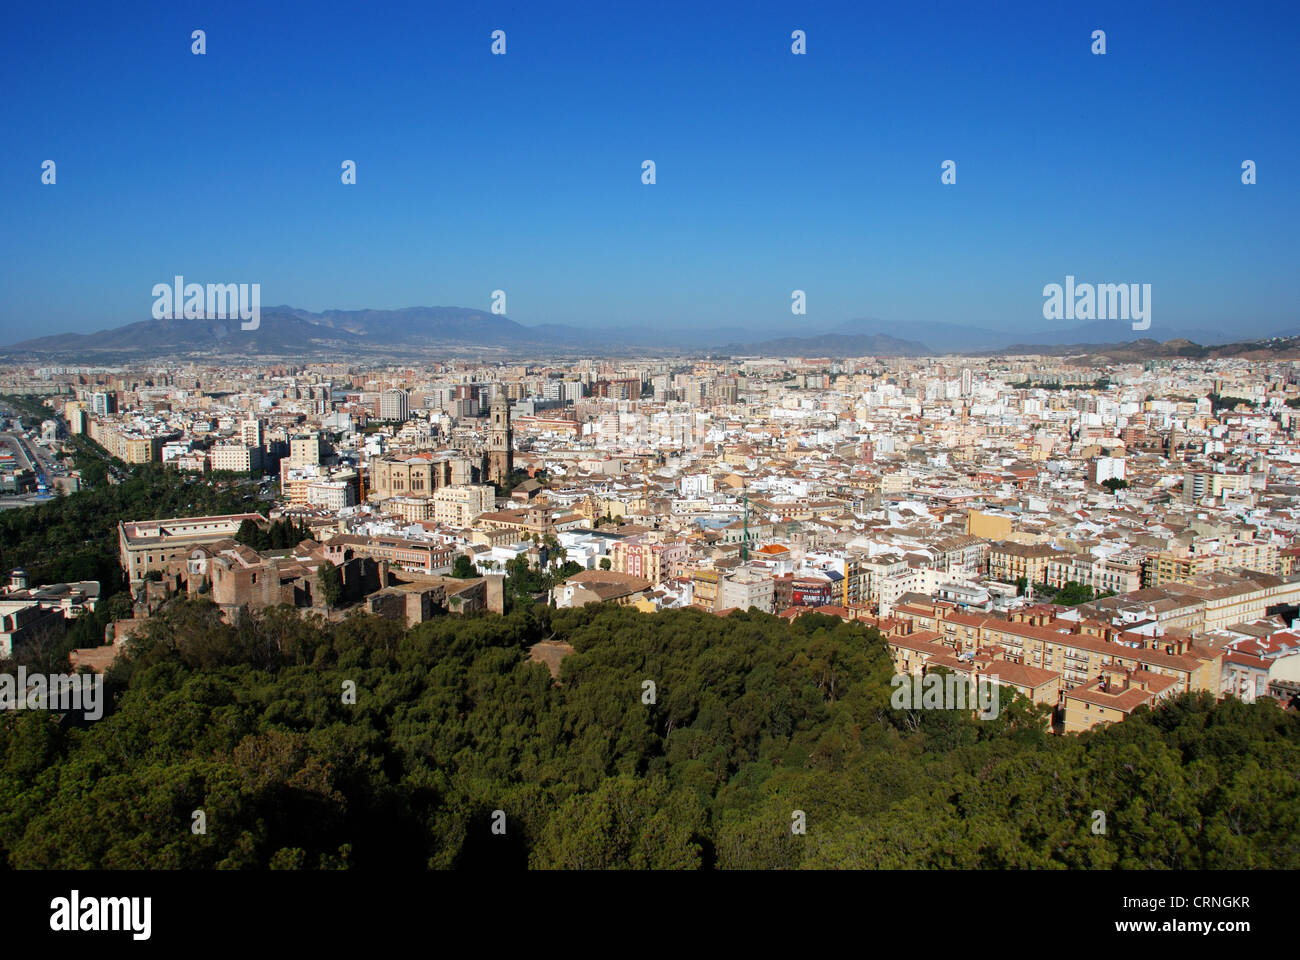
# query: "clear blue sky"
{"type": "Point", "coordinates": [775, 171]}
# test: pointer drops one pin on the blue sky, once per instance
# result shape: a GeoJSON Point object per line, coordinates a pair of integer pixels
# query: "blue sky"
{"type": "Point", "coordinates": [774, 171]}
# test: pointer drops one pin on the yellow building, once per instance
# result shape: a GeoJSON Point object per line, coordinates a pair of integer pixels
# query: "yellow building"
{"type": "Point", "coordinates": [1113, 697]}
{"type": "Point", "coordinates": [705, 588]}
{"type": "Point", "coordinates": [987, 525]}
{"type": "Point", "coordinates": [1009, 561]}
{"type": "Point", "coordinates": [1169, 567]}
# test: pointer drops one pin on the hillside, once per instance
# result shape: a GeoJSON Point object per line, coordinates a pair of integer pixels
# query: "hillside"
{"type": "Point", "coordinates": [756, 722]}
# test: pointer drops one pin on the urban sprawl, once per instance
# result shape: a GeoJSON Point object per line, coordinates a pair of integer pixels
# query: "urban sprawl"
{"type": "Point", "coordinates": [1098, 537]}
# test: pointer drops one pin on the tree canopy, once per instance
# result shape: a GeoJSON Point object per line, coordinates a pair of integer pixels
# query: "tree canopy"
{"type": "Point", "coordinates": [458, 752]}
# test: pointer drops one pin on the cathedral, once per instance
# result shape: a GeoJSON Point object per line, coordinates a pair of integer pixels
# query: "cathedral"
{"type": "Point", "coordinates": [499, 458]}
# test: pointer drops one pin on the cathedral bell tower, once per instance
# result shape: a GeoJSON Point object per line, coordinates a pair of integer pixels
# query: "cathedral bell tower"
{"type": "Point", "coordinates": [500, 441]}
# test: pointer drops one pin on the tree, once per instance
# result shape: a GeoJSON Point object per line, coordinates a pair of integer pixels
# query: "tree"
{"type": "Point", "coordinates": [523, 583]}
{"type": "Point", "coordinates": [1073, 594]}
{"type": "Point", "coordinates": [463, 568]}
{"type": "Point", "coordinates": [1114, 483]}
{"type": "Point", "coordinates": [628, 823]}
{"type": "Point", "coordinates": [605, 563]}
{"type": "Point", "coordinates": [44, 651]}
{"type": "Point", "coordinates": [1218, 402]}
{"type": "Point", "coordinates": [331, 584]}
{"type": "Point", "coordinates": [279, 535]}
{"type": "Point", "coordinates": [758, 724]}
{"type": "Point", "coordinates": [93, 473]}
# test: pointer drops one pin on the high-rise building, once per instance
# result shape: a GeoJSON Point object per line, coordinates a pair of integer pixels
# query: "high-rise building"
{"type": "Point", "coordinates": [77, 417]}
{"type": "Point", "coordinates": [1101, 469]}
{"type": "Point", "coordinates": [304, 450]}
{"type": "Point", "coordinates": [394, 405]}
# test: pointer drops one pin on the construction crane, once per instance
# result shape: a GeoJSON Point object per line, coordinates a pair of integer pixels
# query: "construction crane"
{"type": "Point", "coordinates": [744, 539]}
{"type": "Point", "coordinates": [645, 490]}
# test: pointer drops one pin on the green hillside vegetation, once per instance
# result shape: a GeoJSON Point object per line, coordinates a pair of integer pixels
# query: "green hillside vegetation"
{"type": "Point", "coordinates": [74, 538]}
{"type": "Point", "coordinates": [754, 718]}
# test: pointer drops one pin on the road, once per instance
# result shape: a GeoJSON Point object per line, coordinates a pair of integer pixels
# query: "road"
{"type": "Point", "coordinates": [25, 500]}
{"type": "Point", "coordinates": [14, 443]}
{"type": "Point", "coordinates": [32, 455]}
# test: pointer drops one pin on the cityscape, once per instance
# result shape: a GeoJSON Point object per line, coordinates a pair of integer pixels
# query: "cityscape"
{"type": "Point", "coordinates": [1096, 539]}
{"type": "Point", "coordinates": [605, 447]}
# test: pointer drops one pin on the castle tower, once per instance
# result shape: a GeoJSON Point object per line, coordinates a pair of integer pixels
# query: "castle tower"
{"type": "Point", "coordinates": [500, 441]}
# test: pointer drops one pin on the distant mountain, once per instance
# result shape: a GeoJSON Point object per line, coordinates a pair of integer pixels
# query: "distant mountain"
{"type": "Point", "coordinates": [1132, 351]}
{"type": "Point", "coordinates": [1137, 351]}
{"type": "Point", "coordinates": [655, 339]}
{"type": "Point", "coordinates": [288, 331]}
{"type": "Point", "coordinates": [961, 338]}
{"type": "Point", "coordinates": [1118, 331]}
{"type": "Point", "coordinates": [413, 325]}
{"type": "Point", "coordinates": [830, 345]}
{"type": "Point", "coordinates": [278, 333]}
{"type": "Point", "coordinates": [952, 336]}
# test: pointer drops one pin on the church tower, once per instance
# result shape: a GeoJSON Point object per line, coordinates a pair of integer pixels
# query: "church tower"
{"type": "Point", "coordinates": [500, 441]}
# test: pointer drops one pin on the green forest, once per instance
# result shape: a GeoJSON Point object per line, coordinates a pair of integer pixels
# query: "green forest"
{"type": "Point", "coordinates": [361, 744]}
{"type": "Point", "coordinates": [73, 538]}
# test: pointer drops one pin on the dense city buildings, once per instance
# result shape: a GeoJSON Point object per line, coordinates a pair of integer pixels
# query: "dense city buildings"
{"type": "Point", "coordinates": [1083, 531]}
{"type": "Point", "coordinates": [539, 438]}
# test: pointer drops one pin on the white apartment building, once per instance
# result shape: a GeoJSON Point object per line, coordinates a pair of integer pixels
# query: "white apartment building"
{"type": "Point", "coordinates": [745, 589]}
{"type": "Point", "coordinates": [235, 457]}
{"type": "Point", "coordinates": [1118, 574]}
{"type": "Point", "coordinates": [459, 505]}
{"type": "Point", "coordinates": [250, 432]}
{"type": "Point", "coordinates": [330, 494]}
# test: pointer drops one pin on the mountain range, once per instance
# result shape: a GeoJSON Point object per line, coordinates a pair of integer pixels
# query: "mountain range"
{"type": "Point", "coordinates": [286, 331]}
{"type": "Point", "coordinates": [958, 338]}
